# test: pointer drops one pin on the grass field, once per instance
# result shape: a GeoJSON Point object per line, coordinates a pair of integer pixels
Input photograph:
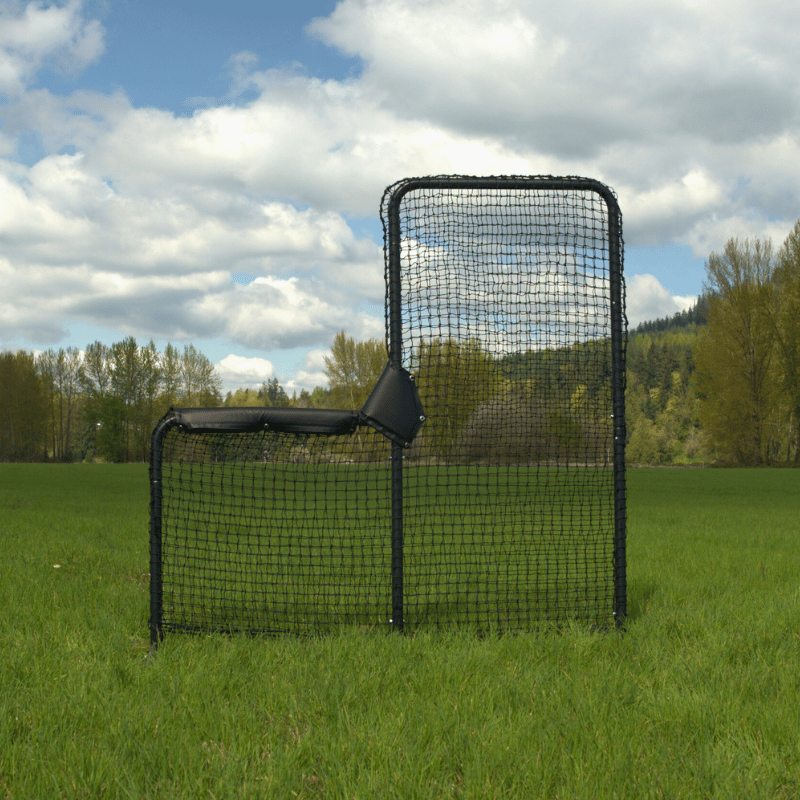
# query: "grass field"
{"type": "Point", "coordinates": [699, 698]}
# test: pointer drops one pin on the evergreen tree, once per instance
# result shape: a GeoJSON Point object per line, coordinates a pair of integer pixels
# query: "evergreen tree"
{"type": "Point", "coordinates": [274, 395]}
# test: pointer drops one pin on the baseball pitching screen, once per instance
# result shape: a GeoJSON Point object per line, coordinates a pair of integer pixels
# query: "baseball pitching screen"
{"type": "Point", "coordinates": [483, 482]}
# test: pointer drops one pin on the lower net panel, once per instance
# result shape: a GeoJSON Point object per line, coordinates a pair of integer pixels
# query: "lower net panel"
{"type": "Point", "coordinates": [275, 532]}
{"type": "Point", "coordinates": [280, 533]}
{"type": "Point", "coordinates": [508, 547]}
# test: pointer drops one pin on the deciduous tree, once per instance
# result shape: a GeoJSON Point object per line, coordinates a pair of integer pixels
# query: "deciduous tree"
{"type": "Point", "coordinates": [736, 351]}
{"type": "Point", "coordinates": [24, 420]}
{"type": "Point", "coordinates": [201, 384]}
{"type": "Point", "coordinates": [170, 376]}
{"type": "Point", "coordinates": [454, 379]}
{"type": "Point", "coordinates": [786, 326]}
{"type": "Point", "coordinates": [353, 368]}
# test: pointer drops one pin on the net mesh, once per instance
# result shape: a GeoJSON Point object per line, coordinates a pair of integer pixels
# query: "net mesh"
{"type": "Point", "coordinates": [507, 510]}
{"type": "Point", "coordinates": [262, 531]}
{"type": "Point", "coordinates": [509, 489]}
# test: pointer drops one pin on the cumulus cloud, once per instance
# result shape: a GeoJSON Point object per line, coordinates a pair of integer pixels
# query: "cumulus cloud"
{"type": "Point", "coordinates": [672, 104]}
{"type": "Point", "coordinates": [585, 74]}
{"type": "Point", "coordinates": [137, 218]}
{"type": "Point", "coordinates": [273, 313]}
{"type": "Point", "coordinates": [647, 300]}
{"type": "Point", "coordinates": [163, 264]}
{"type": "Point", "coordinates": [312, 373]}
{"type": "Point", "coordinates": [242, 372]}
{"type": "Point", "coordinates": [612, 91]}
{"type": "Point", "coordinates": [35, 36]}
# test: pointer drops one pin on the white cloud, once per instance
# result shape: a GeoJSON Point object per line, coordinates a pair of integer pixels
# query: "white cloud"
{"type": "Point", "coordinates": [518, 89]}
{"type": "Point", "coordinates": [240, 372]}
{"type": "Point", "coordinates": [312, 373]}
{"type": "Point", "coordinates": [61, 199]}
{"type": "Point", "coordinates": [314, 360]}
{"type": "Point", "coordinates": [714, 233]}
{"type": "Point", "coordinates": [37, 36]}
{"type": "Point", "coordinates": [585, 74]}
{"type": "Point", "coordinates": [672, 104]}
{"type": "Point", "coordinates": [647, 300]}
{"type": "Point", "coordinates": [663, 211]}
{"type": "Point", "coordinates": [306, 380]}
{"type": "Point", "coordinates": [273, 313]}
{"type": "Point", "coordinates": [163, 263]}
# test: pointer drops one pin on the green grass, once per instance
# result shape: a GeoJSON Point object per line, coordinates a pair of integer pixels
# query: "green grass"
{"type": "Point", "coordinates": [700, 698]}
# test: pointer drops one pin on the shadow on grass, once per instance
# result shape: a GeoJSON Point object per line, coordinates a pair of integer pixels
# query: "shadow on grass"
{"type": "Point", "coordinates": [639, 594]}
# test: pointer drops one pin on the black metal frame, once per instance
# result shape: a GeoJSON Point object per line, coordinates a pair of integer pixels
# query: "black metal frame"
{"type": "Point", "coordinates": [391, 206]}
{"type": "Point", "coordinates": [394, 408]}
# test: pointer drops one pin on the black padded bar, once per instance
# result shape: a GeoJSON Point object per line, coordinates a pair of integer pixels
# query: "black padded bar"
{"type": "Point", "coordinates": [331, 422]}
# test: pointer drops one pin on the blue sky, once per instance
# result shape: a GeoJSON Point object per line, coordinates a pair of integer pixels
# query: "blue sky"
{"type": "Point", "coordinates": [165, 53]}
{"type": "Point", "coordinates": [211, 172]}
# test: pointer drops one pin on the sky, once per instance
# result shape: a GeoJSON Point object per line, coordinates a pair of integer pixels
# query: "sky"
{"type": "Point", "coordinates": [211, 173]}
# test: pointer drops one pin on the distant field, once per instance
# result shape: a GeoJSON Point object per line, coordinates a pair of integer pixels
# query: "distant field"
{"type": "Point", "coordinates": [699, 698]}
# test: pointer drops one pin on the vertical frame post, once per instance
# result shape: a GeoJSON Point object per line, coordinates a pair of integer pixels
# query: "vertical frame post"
{"type": "Point", "coordinates": [618, 405]}
{"type": "Point", "coordinates": [156, 499]}
{"type": "Point", "coordinates": [397, 537]}
{"type": "Point", "coordinates": [394, 302]}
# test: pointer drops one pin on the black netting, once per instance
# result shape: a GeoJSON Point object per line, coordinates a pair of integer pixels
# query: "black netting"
{"type": "Point", "coordinates": [262, 531]}
{"type": "Point", "coordinates": [506, 511]}
{"type": "Point", "coordinates": [510, 490]}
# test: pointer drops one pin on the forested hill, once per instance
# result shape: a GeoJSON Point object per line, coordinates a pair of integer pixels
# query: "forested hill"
{"type": "Point", "coordinates": [696, 315]}
{"type": "Point", "coordinates": [662, 402]}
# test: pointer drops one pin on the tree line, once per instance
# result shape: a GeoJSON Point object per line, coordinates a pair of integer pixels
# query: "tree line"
{"type": "Point", "coordinates": [724, 388]}
{"type": "Point", "coordinates": [718, 383]}
{"type": "Point", "coordinates": [102, 404]}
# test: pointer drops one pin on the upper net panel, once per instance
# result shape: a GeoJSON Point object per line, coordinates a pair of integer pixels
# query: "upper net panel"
{"type": "Point", "coordinates": [505, 302]}
{"type": "Point", "coordinates": [513, 269]}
